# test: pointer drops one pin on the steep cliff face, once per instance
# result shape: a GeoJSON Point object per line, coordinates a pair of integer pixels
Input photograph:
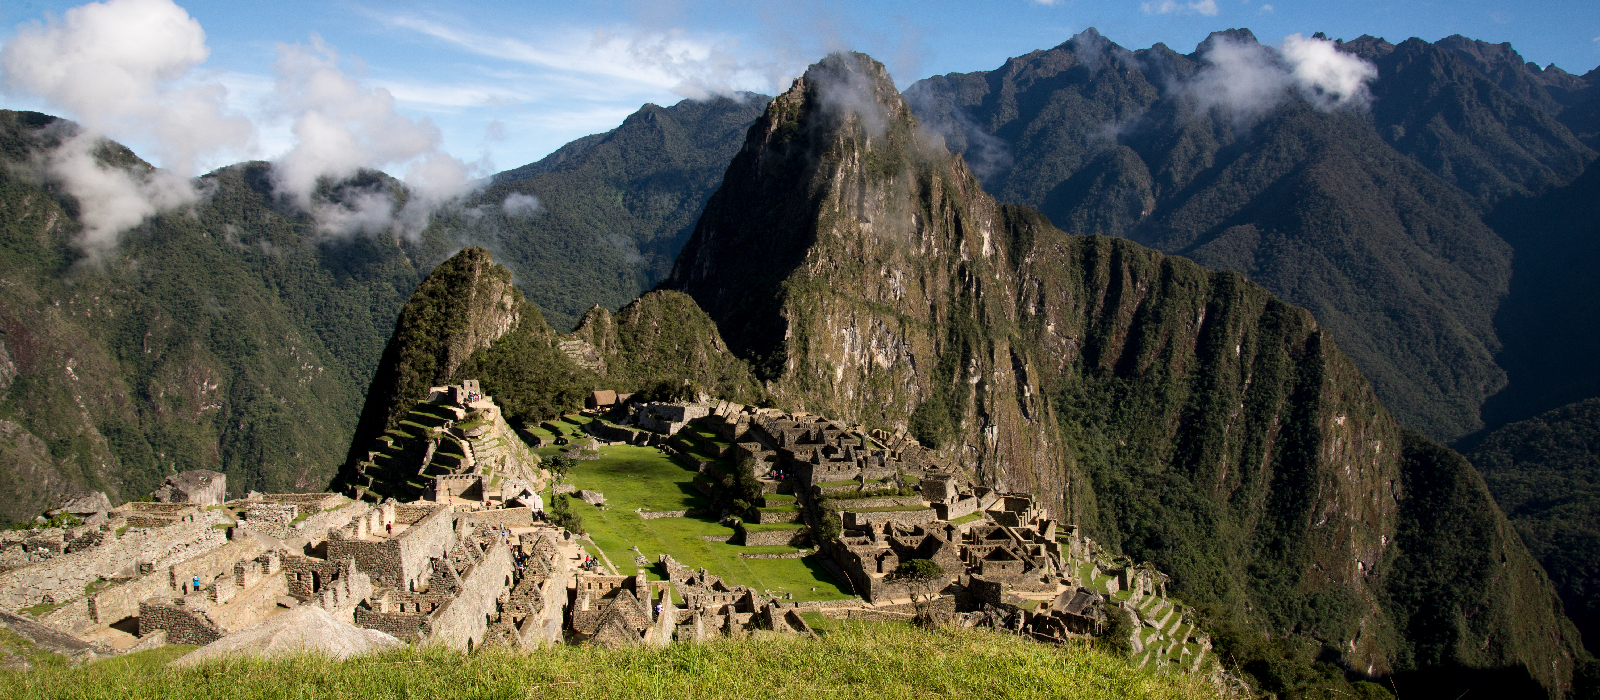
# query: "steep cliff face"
{"type": "Point", "coordinates": [1184, 416]}
{"type": "Point", "coordinates": [463, 306]}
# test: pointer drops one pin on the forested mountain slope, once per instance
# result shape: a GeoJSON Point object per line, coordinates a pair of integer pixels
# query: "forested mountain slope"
{"type": "Point", "coordinates": [1369, 218]}
{"type": "Point", "coordinates": [600, 220]}
{"type": "Point", "coordinates": [233, 336]}
{"type": "Point", "coordinates": [1545, 473]}
{"type": "Point", "coordinates": [1183, 416]}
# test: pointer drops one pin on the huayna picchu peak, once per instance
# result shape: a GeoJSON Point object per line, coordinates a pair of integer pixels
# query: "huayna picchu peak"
{"type": "Point", "coordinates": [1104, 372]}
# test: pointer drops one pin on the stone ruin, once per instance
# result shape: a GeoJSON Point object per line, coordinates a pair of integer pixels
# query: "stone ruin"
{"type": "Point", "coordinates": [451, 570]}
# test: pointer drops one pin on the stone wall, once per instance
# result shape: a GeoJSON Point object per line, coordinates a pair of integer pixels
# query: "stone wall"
{"type": "Point", "coordinates": [272, 519]}
{"type": "Point", "coordinates": [877, 502]}
{"type": "Point", "coordinates": [184, 620]}
{"type": "Point", "coordinates": [65, 577]}
{"type": "Point", "coordinates": [313, 531]}
{"type": "Point", "coordinates": [460, 623]}
{"type": "Point", "coordinates": [767, 538]}
{"type": "Point", "coordinates": [951, 511]}
{"type": "Point", "coordinates": [407, 627]}
{"type": "Point", "coordinates": [400, 562]}
{"type": "Point", "coordinates": [212, 564]}
{"type": "Point", "coordinates": [411, 513]}
{"type": "Point", "coordinates": [777, 516]}
{"type": "Point", "coordinates": [502, 517]}
{"type": "Point", "coordinates": [856, 520]}
{"type": "Point", "coordinates": [305, 575]}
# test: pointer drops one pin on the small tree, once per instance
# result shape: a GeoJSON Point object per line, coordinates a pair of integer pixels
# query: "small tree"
{"type": "Point", "coordinates": [1118, 632]}
{"type": "Point", "coordinates": [828, 526]}
{"type": "Point", "coordinates": [560, 465]}
{"type": "Point", "coordinates": [925, 580]}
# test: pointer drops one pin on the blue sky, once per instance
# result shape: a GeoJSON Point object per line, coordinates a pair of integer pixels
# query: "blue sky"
{"type": "Point", "coordinates": [506, 83]}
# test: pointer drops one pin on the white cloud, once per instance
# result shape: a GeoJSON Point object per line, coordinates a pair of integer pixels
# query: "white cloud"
{"type": "Point", "coordinates": [1266, 9]}
{"type": "Point", "coordinates": [1251, 79]}
{"type": "Point", "coordinates": [1167, 7]}
{"type": "Point", "coordinates": [1327, 76]}
{"type": "Point", "coordinates": [125, 68]}
{"type": "Point", "coordinates": [688, 65]}
{"type": "Point", "coordinates": [341, 126]}
{"type": "Point", "coordinates": [519, 204]}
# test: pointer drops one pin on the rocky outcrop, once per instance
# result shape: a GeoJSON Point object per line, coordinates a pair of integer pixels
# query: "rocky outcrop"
{"type": "Point", "coordinates": [198, 486]}
{"type": "Point", "coordinates": [302, 630]}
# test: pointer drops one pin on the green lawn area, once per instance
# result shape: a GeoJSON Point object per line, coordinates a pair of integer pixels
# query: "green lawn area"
{"type": "Point", "coordinates": [643, 477]}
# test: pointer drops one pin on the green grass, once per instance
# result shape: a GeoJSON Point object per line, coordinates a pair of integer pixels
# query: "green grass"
{"type": "Point", "coordinates": [847, 659]}
{"type": "Point", "coordinates": [966, 518]}
{"type": "Point", "coordinates": [643, 477]}
{"type": "Point", "coordinates": [38, 609]}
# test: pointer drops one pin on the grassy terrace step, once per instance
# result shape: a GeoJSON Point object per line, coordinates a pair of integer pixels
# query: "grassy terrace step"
{"type": "Point", "coordinates": [883, 661]}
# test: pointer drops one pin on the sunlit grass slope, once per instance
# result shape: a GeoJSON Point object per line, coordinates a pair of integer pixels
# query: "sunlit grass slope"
{"type": "Point", "coordinates": [853, 660]}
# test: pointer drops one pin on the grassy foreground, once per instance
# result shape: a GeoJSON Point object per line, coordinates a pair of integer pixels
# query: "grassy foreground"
{"type": "Point", "coordinates": [849, 660]}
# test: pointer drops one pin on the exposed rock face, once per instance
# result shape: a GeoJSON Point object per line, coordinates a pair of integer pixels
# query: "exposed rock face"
{"type": "Point", "coordinates": [306, 629]}
{"type": "Point", "coordinates": [199, 486]}
{"type": "Point", "coordinates": [1183, 416]}
{"type": "Point", "coordinates": [96, 502]}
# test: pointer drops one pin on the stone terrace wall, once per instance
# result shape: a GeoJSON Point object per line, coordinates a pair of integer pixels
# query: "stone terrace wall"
{"type": "Point", "coordinates": [765, 538]}
{"type": "Point", "coordinates": [184, 624]}
{"type": "Point", "coordinates": [460, 624]}
{"type": "Point", "coordinates": [502, 517]}
{"type": "Point", "coordinates": [65, 577]}
{"type": "Point", "coordinates": [879, 502]}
